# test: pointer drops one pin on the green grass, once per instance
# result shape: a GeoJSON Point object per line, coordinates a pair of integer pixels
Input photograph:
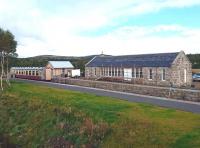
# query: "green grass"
{"type": "Point", "coordinates": [33, 116]}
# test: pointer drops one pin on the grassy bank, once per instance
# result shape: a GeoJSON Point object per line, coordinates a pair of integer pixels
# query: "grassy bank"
{"type": "Point", "coordinates": [39, 116]}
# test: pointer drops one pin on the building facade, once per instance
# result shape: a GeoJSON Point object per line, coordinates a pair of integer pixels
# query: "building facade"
{"type": "Point", "coordinates": [164, 69]}
{"type": "Point", "coordinates": [58, 69]}
{"type": "Point", "coordinates": [52, 70]}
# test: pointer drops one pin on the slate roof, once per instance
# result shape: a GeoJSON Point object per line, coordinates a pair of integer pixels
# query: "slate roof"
{"type": "Point", "coordinates": [143, 60]}
{"type": "Point", "coordinates": [61, 64]}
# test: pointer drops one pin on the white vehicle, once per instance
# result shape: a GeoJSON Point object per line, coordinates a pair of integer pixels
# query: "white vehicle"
{"type": "Point", "coordinates": [76, 73]}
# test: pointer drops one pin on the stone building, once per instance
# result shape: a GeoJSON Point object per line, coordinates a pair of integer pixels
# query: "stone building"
{"type": "Point", "coordinates": [163, 69]}
{"type": "Point", "coordinates": [58, 69]}
{"type": "Point", "coordinates": [52, 70]}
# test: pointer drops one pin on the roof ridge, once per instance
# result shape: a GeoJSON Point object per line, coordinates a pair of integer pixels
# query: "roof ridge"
{"type": "Point", "coordinates": [141, 54]}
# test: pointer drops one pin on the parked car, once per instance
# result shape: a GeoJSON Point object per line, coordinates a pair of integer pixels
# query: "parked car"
{"type": "Point", "coordinates": [196, 77]}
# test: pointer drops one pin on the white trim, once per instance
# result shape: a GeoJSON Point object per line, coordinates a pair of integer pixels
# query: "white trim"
{"type": "Point", "coordinates": [185, 75]}
{"type": "Point", "coordinates": [162, 74]}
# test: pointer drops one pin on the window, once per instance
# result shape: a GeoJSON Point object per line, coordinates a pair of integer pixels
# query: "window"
{"type": "Point", "coordinates": [63, 71]}
{"type": "Point", "coordinates": [185, 75]}
{"type": "Point", "coordinates": [113, 70]}
{"type": "Point", "coordinates": [33, 73]}
{"type": "Point", "coordinates": [133, 72]}
{"type": "Point", "coordinates": [29, 72]}
{"type": "Point", "coordinates": [150, 74]}
{"type": "Point", "coordinates": [163, 75]}
{"type": "Point", "coordinates": [137, 72]}
{"type": "Point", "coordinates": [90, 71]}
{"type": "Point", "coordinates": [110, 71]}
{"type": "Point", "coordinates": [26, 72]}
{"type": "Point", "coordinates": [141, 73]}
{"type": "Point", "coordinates": [101, 71]}
{"type": "Point", "coordinates": [95, 71]}
{"type": "Point", "coordinates": [118, 71]}
{"type": "Point", "coordinates": [37, 73]}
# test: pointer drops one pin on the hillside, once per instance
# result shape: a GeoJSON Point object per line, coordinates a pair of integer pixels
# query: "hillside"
{"type": "Point", "coordinates": [40, 61]}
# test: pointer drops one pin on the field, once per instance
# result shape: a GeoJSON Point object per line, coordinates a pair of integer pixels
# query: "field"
{"type": "Point", "coordinates": [40, 116]}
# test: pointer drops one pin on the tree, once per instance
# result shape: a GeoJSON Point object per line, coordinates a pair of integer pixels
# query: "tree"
{"type": "Point", "coordinates": [7, 49]}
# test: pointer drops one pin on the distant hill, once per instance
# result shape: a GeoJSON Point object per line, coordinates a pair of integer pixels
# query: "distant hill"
{"type": "Point", "coordinates": [41, 61]}
{"type": "Point", "coordinates": [78, 62]}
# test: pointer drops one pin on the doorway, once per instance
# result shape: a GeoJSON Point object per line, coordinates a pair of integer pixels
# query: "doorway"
{"type": "Point", "coordinates": [48, 74]}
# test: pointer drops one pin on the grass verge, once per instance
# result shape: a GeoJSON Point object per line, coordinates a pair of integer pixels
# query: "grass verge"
{"type": "Point", "coordinates": [40, 116]}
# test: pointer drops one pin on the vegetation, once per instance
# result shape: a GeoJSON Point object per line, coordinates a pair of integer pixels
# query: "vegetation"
{"type": "Point", "coordinates": [40, 116]}
{"type": "Point", "coordinates": [7, 49]}
{"type": "Point", "coordinates": [41, 61]}
{"type": "Point", "coordinates": [195, 59]}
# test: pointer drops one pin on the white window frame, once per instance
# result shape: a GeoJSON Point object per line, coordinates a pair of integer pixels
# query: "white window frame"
{"type": "Point", "coordinates": [163, 75]}
{"type": "Point", "coordinates": [185, 75]}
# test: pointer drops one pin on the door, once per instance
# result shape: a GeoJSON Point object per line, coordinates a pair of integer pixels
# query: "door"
{"type": "Point", "coordinates": [128, 74]}
{"type": "Point", "coordinates": [48, 74]}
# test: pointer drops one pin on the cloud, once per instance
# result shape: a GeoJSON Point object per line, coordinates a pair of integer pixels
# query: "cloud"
{"type": "Point", "coordinates": [125, 40]}
{"type": "Point", "coordinates": [44, 27]}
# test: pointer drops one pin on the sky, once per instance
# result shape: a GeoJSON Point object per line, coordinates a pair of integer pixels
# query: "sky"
{"type": "Point", "coordinates": [88, 27]}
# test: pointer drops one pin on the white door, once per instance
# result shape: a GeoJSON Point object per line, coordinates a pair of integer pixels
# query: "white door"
{"type": "Point", "coordinates": [128, 74]}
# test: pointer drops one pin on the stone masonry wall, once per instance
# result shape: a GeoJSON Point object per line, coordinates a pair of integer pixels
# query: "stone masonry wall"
{"type": "Point", "coordinates": [174, 93]}
{"type": "Point", "coordinates": [156, 73]}
{"type": "Point", "coordinates": [177, 71]}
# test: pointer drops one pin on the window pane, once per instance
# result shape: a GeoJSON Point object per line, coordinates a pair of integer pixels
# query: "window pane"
{"type": "Point", "coordinates": [163, 74]}
{"type": "Point", "coordinates": [150, 74]}
{"type": "Point", "coordinates": [137, 72]}
{"type": "Point", "coordinates": [118, 71]}
{"type": "Point", "coordinates": [110, 71]}
{"type": "Point", "coordinates": [141, 74]}
{"type": "Point", "coordinates": [133, 72]}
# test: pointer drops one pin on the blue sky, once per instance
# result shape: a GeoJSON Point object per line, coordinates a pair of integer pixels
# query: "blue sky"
{"type": "Point", "coordinates": [78, 28]}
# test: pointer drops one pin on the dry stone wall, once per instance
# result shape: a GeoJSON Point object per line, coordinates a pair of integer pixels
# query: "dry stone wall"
{"type": "Point", "coordinates": [174, 93]}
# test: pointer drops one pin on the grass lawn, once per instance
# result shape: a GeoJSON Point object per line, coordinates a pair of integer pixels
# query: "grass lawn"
{"type": "Point", "coordinates": [40, 116]}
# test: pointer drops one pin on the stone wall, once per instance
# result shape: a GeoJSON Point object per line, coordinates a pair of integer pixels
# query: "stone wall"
{"type": "Point", "coordinates": [180, 64]}
{"type": "Point", "coordinates": [174, 93]}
